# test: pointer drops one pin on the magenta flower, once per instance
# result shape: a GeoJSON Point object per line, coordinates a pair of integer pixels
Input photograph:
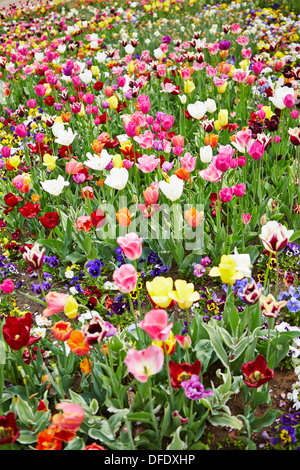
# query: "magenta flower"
{"type": "Point", "coordinates": [194, 390]}
{"type": "Point", "coordinates": [256, 150]}
{"type": "Point", "coordinates": [131, 245]}
{"type": "Point", "coordinates": [142, 364]}
{"type": "Point", "coordinates": [125, 278]}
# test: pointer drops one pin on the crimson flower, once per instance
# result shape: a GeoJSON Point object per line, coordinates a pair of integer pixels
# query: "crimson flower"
{"type": "Point", "coordinates": [182, 372]}
{"type": "Point", "coordinates": [98, 218]}
{"type": "Point", "coordinates": [257, 372]}
{"type": "Point", "coordinates": [49, 219]}
{"type": "Point", "coordinates": [9, 432]}
{"type": "Point", "coordinates": [11, 200]}
{"type": "Point", "coordinates": [29, 210]}
{"type": "Point", "coordinates": [16, 332]}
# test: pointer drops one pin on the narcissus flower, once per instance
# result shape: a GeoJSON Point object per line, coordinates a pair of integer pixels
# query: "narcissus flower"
{"type": "Point", "coordinates": [159, 289]}
{"type": "Point", "coordinates": [184, 295]}
{"type": "Point", "coordinates": [257, 372]}
{"type": "Point", "coordinates": [145, 363]}
{"type": "Point", "coordinates": [227, 270]}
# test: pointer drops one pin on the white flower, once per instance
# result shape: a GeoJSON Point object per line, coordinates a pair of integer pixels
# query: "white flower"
{"type": "Point", "coordinates": [198, 109]}
{"type": "Point", "coordinates": [158, 53]}
{"type": "Point", "coordinates": [211, 105]}
{"type": "Point", "coordinates": [65, 137]}
{"type": "Point", "coordinates": [173, 188]}
{"type": "Point", "coordinates": [243, 262]}
{"type": "Point", "coordinates": [98, 162]}
{"type": "Point", "coordinates": [279, 95]}
{"type": "Point", "coordinates": [57, 128]}
{"type": "Point", "coordinates": [117, 178]}
{"type": "Point", "coordinates": [182, 98]}
{"type": "Point", "coordinates": [54, 186]}
{"type": "Point", "coordinates": [86, 76]}
{"type": "Point", "coordinates": [129, 49]}
{"type": "Point", "coordinates": [100, 57]}
{"type": "Point", "coordinates": [69, 274]}
{"type": "Point", "coordinates": [39, 56]}
{"type": "Point", "coordinates": [61, 48]}
{"type": "Point", "coordinates": [206, 154]}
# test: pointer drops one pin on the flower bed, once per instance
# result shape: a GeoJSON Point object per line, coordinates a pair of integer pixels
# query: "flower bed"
{"type": "Point", "coordinates": [149, 226]}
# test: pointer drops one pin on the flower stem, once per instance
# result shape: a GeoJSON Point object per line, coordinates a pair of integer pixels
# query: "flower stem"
{"type": "Point", "coordinates": [169, 376]}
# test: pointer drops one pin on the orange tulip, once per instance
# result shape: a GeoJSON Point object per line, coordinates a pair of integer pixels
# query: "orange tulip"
{"type": "Point", "coordinates": [62, 330]}
{"type": "Point", "coordinates": [47, 441]}
{"type": "Point", "coordinates": [35, 197]}
{"type": "Point", "coordinates": [182, 174]}
{"type": "Point", "coordinates": [193, 217]}
{"type": "Point", "coordinates": [86, 365]}
{"type": "Point", "coordinates": [66, 117]}
{"type": "Point", "coordinates": [97, 146]}
{"type": "Point", "coordinates": [211, 139]}
{"type": "Point", "coordinates": [124, 217]}
{"type": "Point", "coordinates": [77, 343]}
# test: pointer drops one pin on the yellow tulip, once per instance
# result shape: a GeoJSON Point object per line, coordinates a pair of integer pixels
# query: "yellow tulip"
{"type": "Point", "coordinates": [189, 87]}
{"type": "Point", "coordinates": [268, 111]}
{"type": "Point", "coordinates": [95, 70]}
{"type": "Point", "coordinates": [117, 161]}
{"type": "Point", "coordinates": [159, 290]}
{"type": "Point", "coordinates": [113, 102]}
{"type": "Point", "coordinates": [184, 295]}
{"type": "Point", "coordinates": [71, 307]}
{"type": "Point", "coordinates": [15, 161]}
{"type": "Point", "coordinates": [223, 117]}
{"type": "Point", "coordinates": [170, 344]}
{"type": "Point", "coordinates": [221, 89]}
{"type": "Point", "coordinates": [82, 110]}
{"type": "Point", "coordinates": [217, 125]}
{"type": "Point", "coordinates": [227, 270]}
{"type": "Point", "coordinates": [49, 161]}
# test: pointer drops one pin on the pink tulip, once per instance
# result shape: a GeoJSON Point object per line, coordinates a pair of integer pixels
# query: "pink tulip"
{"type": "Point", "coordinates": [289, 101]}
{"type": "Point", "coordinates": [31, 103]}
{"type": "Point", "coordinates": [130, 129]}
{"type": "Point", "coordinates": [55, 303]}
{"type": "Point", "coordinates": [156, 324]}
{"type": "Point", "coordinates": [246, 218]}
{"type": "Point", "coordinates": [211, 173]}
{"type": "Point", "coordinates": [21, 130]}
{"type": "Point", "coordinates": [223, 162]}
{"type": "Point", "coordinates": [40, 90]}
{"type": "Point", "coordinates": [142, 364]}
{"type": "Point", "coordinates": [167, 121]}
{"type": "Point", "coordinates": [144, 103]}
{"type": "Point", "coordinates": [294, 114]}
{"type": "Point", "coordinates": [239, 190]}
{"type": "Point", "coordinates": [125, 278]}
{"type": "Point", "coordinates": [256, 150]}
{"type": "Point", "coordinates": [5, 152]}
{"type": "Point", "coordinates": [131, 245]}
{"type": "Point", "coordinates": [89, 98]}
{"type": "Point", "coordinates": [147, 163]}
{"type": "Point", "coordinates": [226, 194]}
{"type": "Point", "coordinates": [151, 195]}
{"type": "Point", "coordinates": [7, 286]}
{"type": "Point", "coordinates": [71, 417]}
{"type": "Point", "coordinates": [185, 73]}
{"type": "Point", "coordinates": [188, 162]}
{"type": "Point", "coordinates": [73, 167]}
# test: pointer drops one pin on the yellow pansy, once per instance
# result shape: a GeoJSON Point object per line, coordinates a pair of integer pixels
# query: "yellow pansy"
{"type": "Point", "coordinates": [184, 295]}
{"type": "Point", "coordinates": [159, 289]}
{"type": "Point", "coordinates": [227, 270]}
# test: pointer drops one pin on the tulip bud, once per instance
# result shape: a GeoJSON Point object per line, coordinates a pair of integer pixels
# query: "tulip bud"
{"type": "Point", "coordinates": [184, 341]}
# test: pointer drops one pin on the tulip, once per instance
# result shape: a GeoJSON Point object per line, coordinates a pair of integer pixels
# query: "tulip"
{"type": "Point", "coordinates": [117, 179]}
{"type": "Point", "coordinates": [275, 236]}
{"type": "Point", "coordinates": [206, 154]}
{"type": "Point", "coordinates": [227, 270]}
{"type": "Point", "coordinates": [145, 363]}
{"type": "Point", "coordinates": [167, 346]}
{"type": "Point", "coordinates": [183, 371]}
{"type": "Point", "coordinates": [172, 188]}
{"type": "Point", "coordinates": [55, 303]}
{"type": "Point", "coordinates": [223, 117]}
{"type": "Point", "coordinates": [184, 342]}
{"type": "Point", "coordinates": [123, 217]}
{"type": "Point", "coordinates": [193, 217]}
{"type": "Point", "coordinates": [125, 278]}
{"type": "Point", "coordinates": [16, 332]}
{"type": "Point", "coordinates": [184, 294]}
{"type": "Point", "coordinates": [188, 162]}
{"type": "Point", "coordinates": [197, 110]}
{"type": "Point", "coordinates": [71, 417]}
{"type": "Point", "coordinates": [77, 343]}
{"type": "Point", "coordinates": [7, 286]}
{"type": "Point", "coordinates": [251, 293]}
{"type": "Point", "coordinates": [21, 130]}
{"type": "Point", "coordinates": [54, 186]}
{"type": "Point", "coordinates": [257, 372]}
{"type": "Point", "coordinates": [269, 306]}
{"type": "Point", "coordinates": [62, 330]}
{"type": "Point", "coordinates": [95, 331]}
{"type": "Point", "coordinates": [151, 195]}
{"type": "Point", "coordinates": [34, 256]}
{"type": "Point", "coordinates": [256, 150]}
{"type": "Point", "coordinates": [9, 430]}
{"type": "Point", "coordinates": [156, 324]}
{"type": "Point", "coordinates": [294, 135]}
{"type": "Point", "coordinates": [131, 245]}
{"type": "Point", "coordinates": [159, 289]}
{"type": "Point", "coordinates": [71, 307]}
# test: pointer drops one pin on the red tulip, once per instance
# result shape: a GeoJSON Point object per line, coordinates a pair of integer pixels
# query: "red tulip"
{"type": "Point", "coordinates": [184, 371]}
{"type": "Point", "coordinates": [49, 220]}
{"type": "Point", "coordinates": [30, 211]}
{"type": "Point", "coordinates": [16, 332]}
{"type": "Point", "coordinates": [257, 372]}
{"type": "Point", "coordinates": [9, 430]}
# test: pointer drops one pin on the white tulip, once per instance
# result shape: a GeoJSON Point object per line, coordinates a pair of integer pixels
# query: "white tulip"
{"type": "Point", "coordinates": [173, 188]}
{"type": "Point", "coordinates": [243, 262]}
{"type": "Point", "coordinates": [86, 76]}
{"type": "Point", "coordinates": [98, 162]}
{"type": "Point", "coordinates": [117, 178]}
{"type": "Point", "coordinates": [65, 137]}
{"type": "Point", "coordinates": [197, 110]}
{"type": "Point", "coordinates": [55, 186]}
{"type": "Point", "coordinates": [211, 105]}
{"type": "Point", "coordinates": [279, 95]}
{"type": "Point", "coordinates": [206, 154]}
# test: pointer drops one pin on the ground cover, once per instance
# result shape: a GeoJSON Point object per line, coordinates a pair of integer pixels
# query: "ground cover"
{"type": "Point", "coordinates": [149, 226]}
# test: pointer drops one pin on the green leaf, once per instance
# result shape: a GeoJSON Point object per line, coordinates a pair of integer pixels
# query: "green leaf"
{"type": "Point", "coordinates": [141, 416]}
{"type": "Point", "coordinates": [177, 443]}
{"type": "Point", "coordinates": [265, 421]}
{"type": "Point", "coordinates": [226, 420]}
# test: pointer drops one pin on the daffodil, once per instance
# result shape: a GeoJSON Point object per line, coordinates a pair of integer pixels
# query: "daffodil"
{"type": "Point", "coordinates": [227, 270]}
{"type": "Point", "coordinates": [159, 290]}
{"type": "Point", "coordinates": [184, 295]}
